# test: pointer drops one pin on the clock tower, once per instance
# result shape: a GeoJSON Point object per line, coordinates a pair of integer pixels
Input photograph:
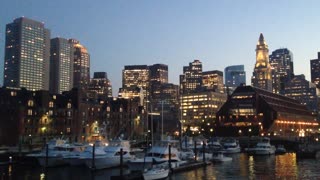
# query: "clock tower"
{"type": "Point", "coordinates": [261, 77]}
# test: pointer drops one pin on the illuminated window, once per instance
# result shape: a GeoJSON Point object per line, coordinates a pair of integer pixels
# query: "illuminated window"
{"type": "Point", "coordinates": [51, 104]}
{"type": "Point", "coordinates": [30, 103]}
{"type": "Point", "coordinates": [30, 112]}
{"type": "Point", "coordinates": [69, 105]}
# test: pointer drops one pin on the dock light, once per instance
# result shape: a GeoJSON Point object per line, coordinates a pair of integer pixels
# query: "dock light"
{"type": "Point", "coordinates": [317, 139]}
{"type": "Point", "coordinates": [240, 131]}
{"type": "Point", "coordinates": [249, 130]}
{"type": "Point", "coordinates": [90, 144]}
{"type": "Point", "coordinates": [211, 130]}
{"type": "Point", "coordinates": [29, 135]}
{"type": "Point", "coordinates": [262, 134]}
{"type": "Point", "coordinates": [106, 144]}
{"type": "Point", "coordinates": [10, 159]}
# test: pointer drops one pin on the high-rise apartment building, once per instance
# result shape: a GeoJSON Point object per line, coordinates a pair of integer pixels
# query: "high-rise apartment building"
{"type": "Point", "coordinates": [213, 80]}
{"type": "Point", "coordinates": [101, 85]}
{"type": "Point", "coordinates": [81, 65]}
{"type": "Point", "coordinates": [27, 52]}
{"type": "Point", "coordinates": [315, 71]}
{"type": "Point", "coordinates": [234, 76]}
{"type": "Point", "coordinates": [61, 65]}
{"type": "Point", "coordinates": [261, 77]}
{"type": "Point", "coordinates": [191, 79]}
{"type": "Point", "coordinates": [281, 61]}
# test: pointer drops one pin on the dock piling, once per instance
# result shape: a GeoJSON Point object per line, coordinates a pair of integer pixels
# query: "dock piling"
{"type": "Point", "coordinates": [93, 166]}
{"type": "Point", "coordinates": [121, 162]}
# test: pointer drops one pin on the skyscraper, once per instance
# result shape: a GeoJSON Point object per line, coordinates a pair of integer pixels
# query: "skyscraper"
{"type": "Point", "coordinates": [191, 79]}
{"type": "Point", "coordinates": [61, 65]}
{"type": "Point", "coordinates": [100, 84]}
{"type": "Point", "coordinates": [261, 77]}
{"type": "Point", "coordinates": [27, 51]}
{"type": "Point", "coordinates": [135, 80]}
{"type": "Point", "coordinates": [281, 61]}
{"type": "Point", "coordinates": [158, 76]}
{"type": "Point", "coordinates": [234, 76]}
{"type": "Point", "coordinates": [81, 65]}
{"type": "Point", "coordinates": [213, 80]}
{"type": "Point", "coordinates": [315, 71]}
{"type": "Point", "coordinates": [305, 92]}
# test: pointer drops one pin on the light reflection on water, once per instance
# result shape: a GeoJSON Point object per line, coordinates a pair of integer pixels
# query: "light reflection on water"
{"type": "Point", "coordinates": [241, 167]}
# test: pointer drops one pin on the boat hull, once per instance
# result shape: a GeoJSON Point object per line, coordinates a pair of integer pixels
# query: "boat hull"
{"type": "Point", "coordinates": [154, 174]}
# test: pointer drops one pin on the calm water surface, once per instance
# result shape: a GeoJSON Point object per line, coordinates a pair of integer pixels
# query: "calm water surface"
{"type": "Point", "coordinates": [242, 167]}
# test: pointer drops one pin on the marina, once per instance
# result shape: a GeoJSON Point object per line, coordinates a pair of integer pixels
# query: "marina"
{"type": "Point", "coordinates": [242, 166]}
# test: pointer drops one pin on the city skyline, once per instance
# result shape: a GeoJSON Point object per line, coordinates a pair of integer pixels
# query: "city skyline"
{"type": "Point", "coordinates": [175, 33]}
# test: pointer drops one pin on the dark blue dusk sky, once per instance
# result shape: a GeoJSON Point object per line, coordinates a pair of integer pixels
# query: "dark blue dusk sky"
{"type": "Point", "coordinates": [175, 32]}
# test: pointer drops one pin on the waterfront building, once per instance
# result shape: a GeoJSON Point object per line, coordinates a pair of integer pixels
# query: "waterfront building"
{"type": "Point", "coordinates": [281, 61]}
{"type": "Point", "coordinates": [124, 118]}
{"type": "Point", "coordinates": [81, 65]}
{"type": "Point", "coordinates": [100, 86]}
{"type": "Point", "coordinates": [213, 80]}
{"type": "Point", "coordinates": [315, 71]}
{"type": "Point", "coordinates": [135, 80]}
{"type": "Point", "coordinates": [27, 52]}
{"type": "Point", "coordinates": [252, 111]}
{"type": "Point", "coordinates": [234, 77]}
{"type": "Point", "coordinates": [191, 79]}
{"type": "Point", "coordinates": [61, 65]}
{"type": "Point", "coordinates": [261, 77]}
{"type": "Point", "coordinates": [198, 111]}
{"type": "Point", "coordinates": [304, 91]}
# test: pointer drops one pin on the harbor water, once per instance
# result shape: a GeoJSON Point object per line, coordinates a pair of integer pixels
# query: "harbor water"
{"type": "Point", "coordinates": [242, 166]}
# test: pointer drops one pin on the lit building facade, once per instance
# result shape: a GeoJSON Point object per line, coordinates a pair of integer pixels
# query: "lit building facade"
{"type": "Point", "coordinates": [281, 61]}
{"type": "Point", "coordinates": [198, 111]}
{"type": "Point", "coordinates": [100, 85]}
{"type": "Point", "coordinates": [135, 80]}
{"type": "Point", "coordinates": [191, 79]}
{"type": "Point", "coordinates": [253, 111]}
{"type": "Point", "coordinates": [234, 77]}
{"type": "Point", "coordinates": [81, 65]}
{"type": "Point", "coordinates": [315, 71]}
{"type": "Point", "coordinates": [158, 76]}
{"type": "Point", "coordinates": [303, 91]}
{"type": "Point", "coordinates": [27, 52]}
{"type": "Point", "coordinates": [213, 80]}
{"type": "Point", "coordinates": [261, 77]}
{"type": "Point", "coordinates": [61, 65]}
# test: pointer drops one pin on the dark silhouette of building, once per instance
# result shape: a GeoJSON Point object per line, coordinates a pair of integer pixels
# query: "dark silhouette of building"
{"type": "Point", "coordinates": [315, 71]}
{"type": "Point", "coordinates": [234, 77]}
{"type": "Point", "coordinates": [100, 86]}
{"type": "Point", "coordinates": [61, 66]}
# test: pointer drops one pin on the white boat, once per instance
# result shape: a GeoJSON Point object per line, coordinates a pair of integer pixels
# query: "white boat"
{"type": "Point", "coordinates": [207, 156]}
{"type": "Point", "coordinates": [186, 154]}
{"type": "Point", "coordinates": [78, 159]}
{"type": "Point", "coordinates": [280, 149]}
{"type": "Point", "coordinates": [263, 148]}
{"type": "Point", "coordinates": [215, 144]}
{"type": "Point", "coordinates": [57, 149]}
{"type": "Point", "coordinates": [156, 173]}
{"type": "Point", "coordinates": [231, 146]}
{"type": "Point", "coordinates": [219, 157]}
{"type": "Point", "coordinates": [112, 156]}
{"type": "Point", "coordinates": [157, 154]}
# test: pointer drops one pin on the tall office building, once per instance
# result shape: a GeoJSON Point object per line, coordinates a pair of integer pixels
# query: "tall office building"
{"type": "Point", "coordinates": [213, 80]}
{"type": "Point", "coordinates": [100, 84]}
{"type": "Point", "coordinates": [158, 76]}
{"type": "Point", "coordinates": [305, 92]}
{"type": "Point", "coordinates": [234, 76]}
{"type": "Point", "coordinates": [81, 65]}
{"type": "Point", "coordinates": [261, 77]}
{"type": "Point", "coordinates": [315, 71]}
{"type": "Point", "coordinates": [281, 61]}
{"type": "Point", "coordinates": [191, 79]}
{"type": "Point", "coordinates": [135, 81]}
{"type": "Point", "coordinates": [61, 65]}
{"type": "Point", "coordinates": [27, 51]}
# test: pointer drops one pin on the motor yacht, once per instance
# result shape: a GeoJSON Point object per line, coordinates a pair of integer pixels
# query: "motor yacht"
{"type": "Point", "coordinates": [231, 146]}
{"type": "Point", "coordinates": [262, 148]}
